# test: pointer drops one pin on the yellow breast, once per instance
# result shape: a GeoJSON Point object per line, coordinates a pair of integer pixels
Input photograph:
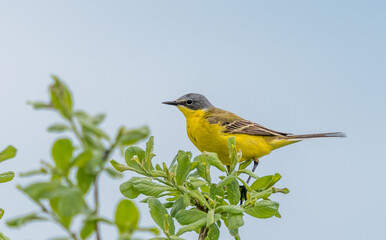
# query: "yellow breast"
{"type": "Point", "coordinates": [211, 138]}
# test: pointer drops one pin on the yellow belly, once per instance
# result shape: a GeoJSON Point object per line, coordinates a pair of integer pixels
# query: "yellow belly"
{"type": "Point", "coordinates": [211, 138]}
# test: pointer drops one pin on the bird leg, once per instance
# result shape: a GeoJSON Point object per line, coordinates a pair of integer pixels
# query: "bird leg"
{"type": "Point", "coordinates": [255, 163]}
{"type": "Point", "coordinates": [243, 189]}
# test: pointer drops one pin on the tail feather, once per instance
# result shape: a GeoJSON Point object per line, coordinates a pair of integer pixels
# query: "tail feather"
{"type": "Point", "coordinates": [317, 135]}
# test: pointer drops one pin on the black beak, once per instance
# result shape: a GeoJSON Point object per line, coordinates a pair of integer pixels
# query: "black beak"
{"type": "Point", "coordinates": [175, 103]}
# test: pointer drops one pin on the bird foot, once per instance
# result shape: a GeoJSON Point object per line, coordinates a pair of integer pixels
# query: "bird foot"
{"type": "Point", "coordinates": [243, 194]}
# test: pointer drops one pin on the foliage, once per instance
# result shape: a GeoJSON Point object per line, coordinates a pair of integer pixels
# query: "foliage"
{"type": "Point", "coordinates": [192, 197]}
{"type": "Point", "coordinates": [74, 171]}
{"type": "Point", "coordinates": [8, 153]}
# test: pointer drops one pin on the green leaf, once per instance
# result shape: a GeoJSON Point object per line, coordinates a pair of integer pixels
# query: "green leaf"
{"type": "Point", "coordinates": [120, 167]}
{"type": "Point", "coordinates": [235, 221]}
{"type": "Point", "coordinates": [281, 190]}
{"type": "Point", "coordinates": [34, 172]}
{"type": "Point", "coordinates": [128, 190]}
{"type": "Point", "coordinates": [132, 136]}
{"type": "Point", "coordinates": [204, 189]}
{"type": "Point", "coordinates": [265, 182]}
{"type": "Point", "coordinates": [263, 209]}
{"type": "Point", "coordinates": [210, 218]}
{"type": "Point", "coordinates": [58, 128]}
{"type": "Point", "coordinates": [71, 203]}
{"type": "Point", "coordinates": [99, 118]}
{"type": "Point", "coordinates": [3, 237]}
{"type": "Point", "coordinates": [1, 213]}
{"type": "Point", "coordinates": [275, 179]}
{"type": "Point", "coordinates": [245, 164]}
{"type": "Point", "coordinates": [262, 194]}
{"type": "Point", "coordinates": [83, 158]}
{"type": "Point", "coordinates": [40, 105]}
{"type": "Point", "coordinates": [44, 190]}
{"type": "Point", "coordinates": [93, 141]}
{"type": "Point", "coordinates": [196, 183]}
{"type": "Point", "coordinates": [62, 153]}
{"type": "Point", "coordinates": [232, 153]}
{"type": "Point", "coordinates": [201, 169]}
{"type": "Point", "coordinates": [235, 233]}
{"type": "Point", "coordinates": [232, 209]}
{"type": "Point", "coordinates": [249, 172]}
{"type": "Point", "coordinates": [186, 198]}
{"type": "Point", "coordinates": [173, 237]}
{"type": "Point", "coordinates": [134, 151]}
{"type": "Point", "coordinates": [185, 217]}
{"type": "Point", "coordinates": [113, 173]}
{"type": "Point", "coordinates": [193, 226]}
{"type": "Point", "coordinates": [216, 191]}
{"type": "Point", "coordinates": [213, 160]}
{"type": "Point", "coordinates": [150, 188]}
{"type": "Point", "coordinates": [214, 233]}
{"type": "Point", "coordinates": [233, 192]}
{"type": "Point", "coordinates": [22, 220]}
{"type": "Point", "coordinates": [227, 180]}
{"type": "Point", "coordinates": [6, 177]}
{"type": "Point", "coordinates": [199, 197]}
{"type": "Point", "coordinates": [87, 229]}
{"type": "Point", "coordinates": [153, 230]}
{"type": "Point", "coordinates": [149, 153]}
{"type": "Point", "coordinates": [91, 128]}
{"type": "Point", "coordinates": [193, 165]}
{"type": "Point", "coordinates": [158, 213]}
{"type": "Point", "coordinates": [177, 206]}
{"type": "Point", "coordinates": [168, 204]}
{"type": "Point", "coordinates": [7, 153]}
{"type": "Point", "coordinates": [262, 183]}
{"type": "Point", "coordinates": [126, 216]}
{"type": "Point", "coordinates": [65, 221]}
{"type": "Point", "coordinates": [84, 180]}
{"type": "Point", "coordinates": [96, 164]}
{"type": "Point", "coordinates": [183, 167]}
{"type": "Point", "coordinates": [61, 98]}
{"type": "Point", "coordinates": [174, 160]}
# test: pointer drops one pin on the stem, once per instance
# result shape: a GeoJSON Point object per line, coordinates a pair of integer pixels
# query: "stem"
{"type": "Point", "coordinates": [76, 132]}
{"type": "Point", "coordinates": [96, 200]}
{"type": "Point", "coordinates": [96, 191]}
{"type": "Point", "coordinates": [57, 221]}
{"type": "Point", "coordinates": [203, 233]}
{"type": "Point", "coordinates": [96, 194]}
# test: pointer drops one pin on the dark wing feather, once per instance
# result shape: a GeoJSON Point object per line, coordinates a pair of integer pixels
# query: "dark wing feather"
{"type": "Point", "coordinates": [238, 125]}
{"type": "Point", "coordinates": [250, 128]}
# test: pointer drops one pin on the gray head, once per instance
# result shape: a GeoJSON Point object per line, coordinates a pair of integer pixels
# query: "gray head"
{"type": "Point", "coordinates": [192, 101]}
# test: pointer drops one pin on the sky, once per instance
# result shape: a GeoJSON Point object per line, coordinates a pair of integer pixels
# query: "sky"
{"type": "Point", "coordinates": [293, 66]}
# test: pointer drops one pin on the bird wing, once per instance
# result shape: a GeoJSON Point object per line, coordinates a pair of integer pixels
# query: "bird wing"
{"type": "Point", "coordinates": [235, 124]}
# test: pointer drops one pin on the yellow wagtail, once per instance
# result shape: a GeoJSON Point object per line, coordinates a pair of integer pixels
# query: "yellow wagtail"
{"type": "Point", "coordinates": [209, 128]}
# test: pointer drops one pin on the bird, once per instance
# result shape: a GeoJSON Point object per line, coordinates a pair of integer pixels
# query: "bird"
{"type": "Point", "coordinates": [209, 128]}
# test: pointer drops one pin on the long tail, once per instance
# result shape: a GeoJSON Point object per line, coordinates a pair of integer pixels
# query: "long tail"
{"type": "Point", "coordinates": [316, 135]}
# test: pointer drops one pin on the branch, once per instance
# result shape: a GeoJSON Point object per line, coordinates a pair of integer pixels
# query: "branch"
{"type": "Point", "coordinates": [57, 220]}
{"type": "Point", "coordinates": [203, 233]}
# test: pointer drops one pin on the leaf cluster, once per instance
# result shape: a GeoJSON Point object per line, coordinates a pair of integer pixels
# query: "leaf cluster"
{"type": "Point", "coordinates": [185, 191]}
{"type": "Point", "coordinates": [74, 170]}
{"type": "Point", "coordinates": [7, 153]}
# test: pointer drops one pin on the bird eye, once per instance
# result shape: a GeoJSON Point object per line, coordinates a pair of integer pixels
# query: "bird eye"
{"type": "Point", "coordinates": [189, 102]}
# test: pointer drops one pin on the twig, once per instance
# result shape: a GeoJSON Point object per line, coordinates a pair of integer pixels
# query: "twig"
{"type": "Point", "coordinates": [96, 192]}
{"type": "Point", "coordinates": [57, 220]}
{"type": "Point", "coordinates": [96, 200]}
{"type": "Point", "coordinates": [203, 233]}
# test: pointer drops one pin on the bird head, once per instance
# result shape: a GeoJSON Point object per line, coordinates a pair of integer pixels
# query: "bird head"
{"type": "Point", "coordinates": [192, 101]}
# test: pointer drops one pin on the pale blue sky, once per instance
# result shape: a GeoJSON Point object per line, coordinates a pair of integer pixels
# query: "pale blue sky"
{"type": "Point", "coordinates": [294, 66]}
